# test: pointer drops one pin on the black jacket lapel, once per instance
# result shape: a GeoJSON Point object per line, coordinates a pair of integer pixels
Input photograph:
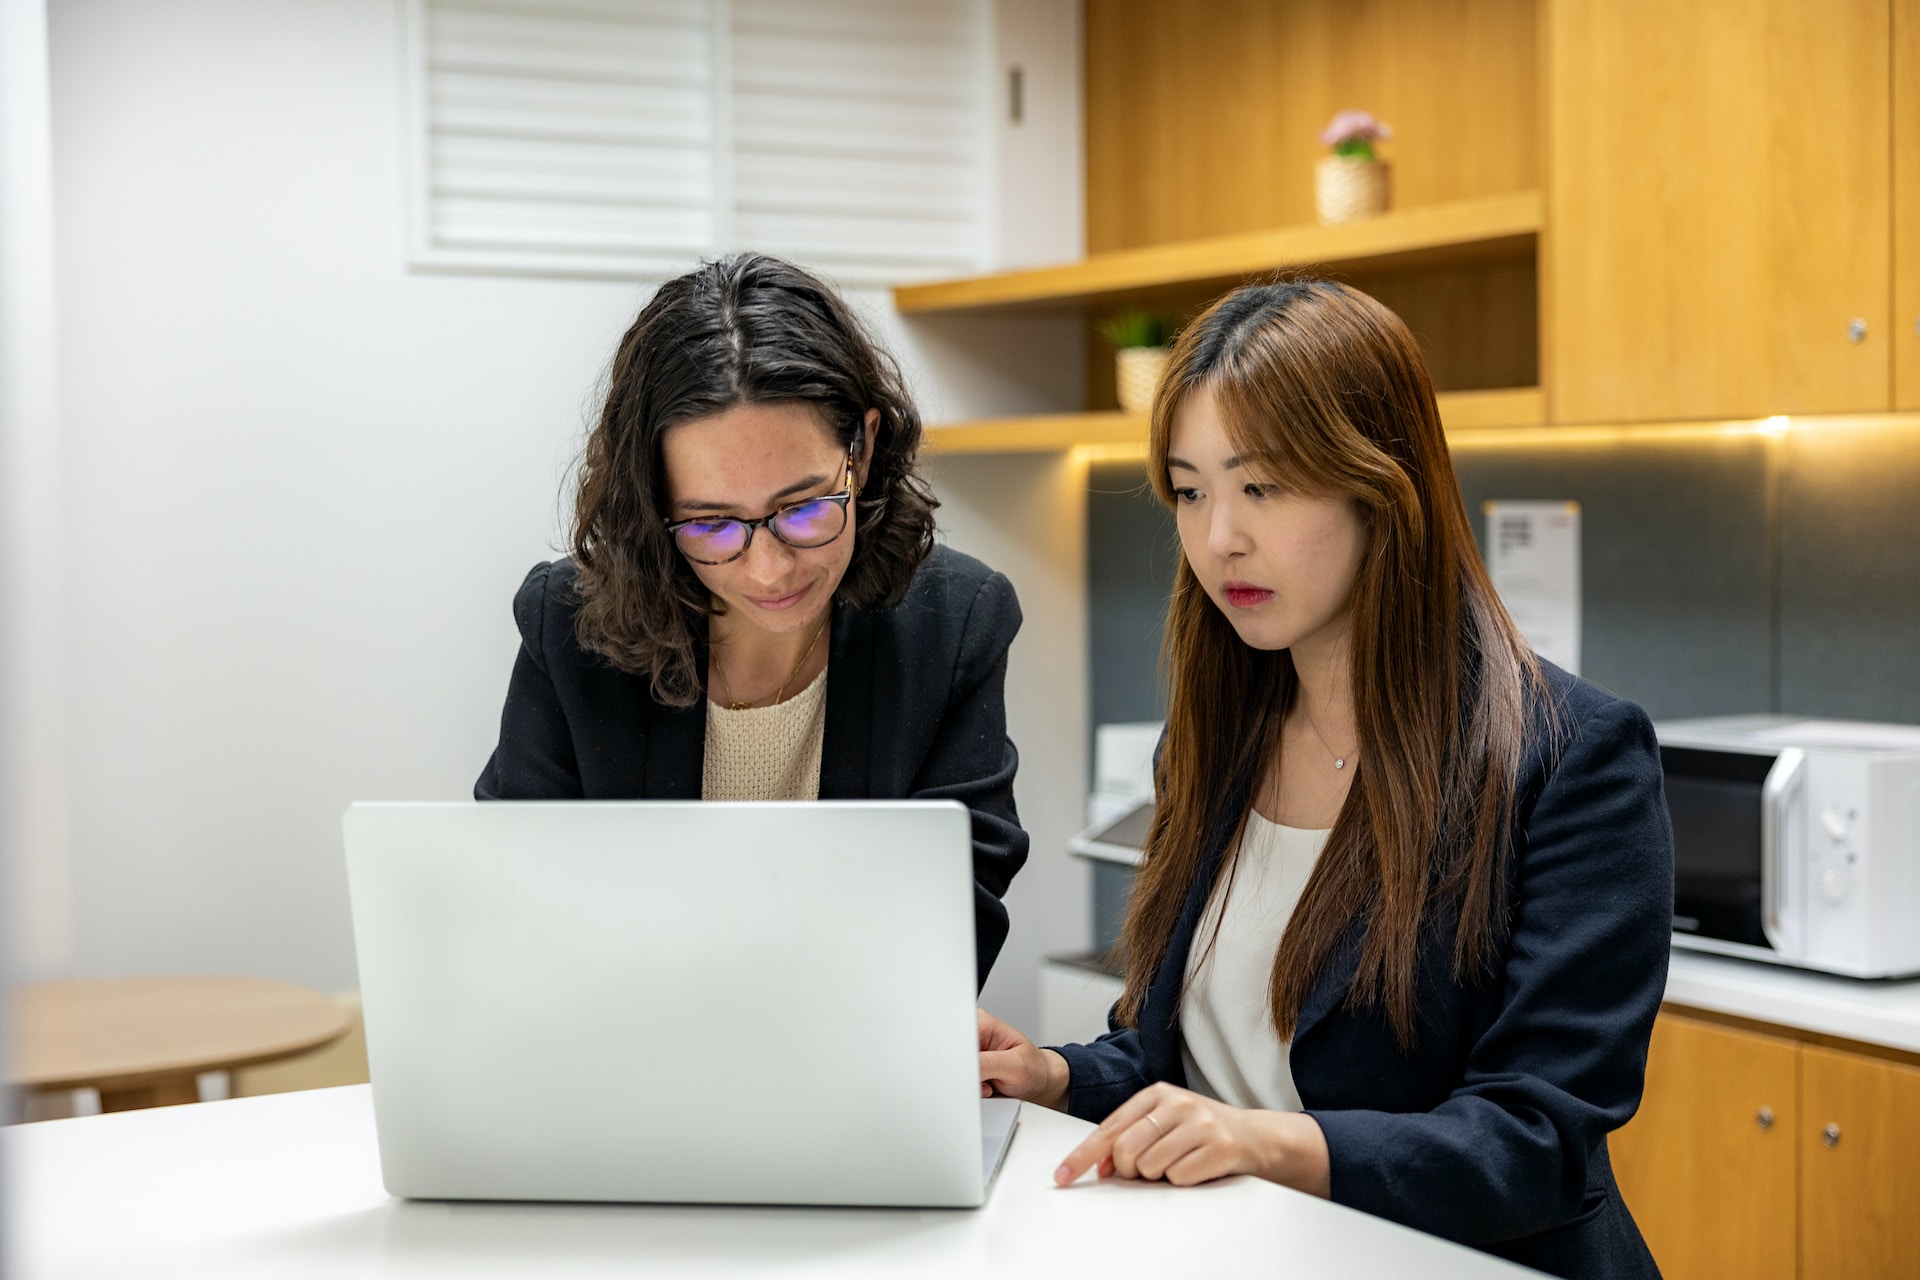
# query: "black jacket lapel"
{"type": "Point", "coordinates": [848, 740]}
{"type": "Point", "coordinates": [677, 747]}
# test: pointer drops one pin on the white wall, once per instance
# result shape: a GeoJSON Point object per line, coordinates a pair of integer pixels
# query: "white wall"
{"type": "Point", "coordinates": [1042, 210]}
{"type": "Point", "coordinates": [38, 913]}
{"type": "Point", "coordinates": [1025, 514]}
{"type": "Point", "coordinates": [28, 433]}
{"type": "Point", "coordinates": [303, 483]}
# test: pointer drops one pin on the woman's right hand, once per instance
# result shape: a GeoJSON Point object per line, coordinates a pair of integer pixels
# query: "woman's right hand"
{"type": "Point", "coordinates": [1012, 1066]}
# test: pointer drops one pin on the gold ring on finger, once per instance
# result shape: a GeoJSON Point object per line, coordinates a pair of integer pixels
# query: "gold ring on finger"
{"type": "Point", "coordinates": [1156, 1124]}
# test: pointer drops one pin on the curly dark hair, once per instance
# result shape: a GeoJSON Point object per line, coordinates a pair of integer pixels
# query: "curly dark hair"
{"type": "Point", "coordinates": [746, 329]}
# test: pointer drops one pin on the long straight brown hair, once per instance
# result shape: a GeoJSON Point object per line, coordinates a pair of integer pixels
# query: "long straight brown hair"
{"type": "Point", "coordinates": [1324, 390]}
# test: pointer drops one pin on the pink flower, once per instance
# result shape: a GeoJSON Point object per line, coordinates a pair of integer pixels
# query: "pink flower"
{"type": "Point", "coordinates": [1354, 126]}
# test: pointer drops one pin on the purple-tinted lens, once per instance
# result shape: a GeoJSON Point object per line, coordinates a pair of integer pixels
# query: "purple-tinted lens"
{"type": "Point", "coordinates": [810, 524]}
{"type": "Point", "coordinates": [712, 540]}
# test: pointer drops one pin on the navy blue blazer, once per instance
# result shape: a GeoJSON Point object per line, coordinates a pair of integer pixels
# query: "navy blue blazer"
{"type": "Point", "coordinates": [916, 709]}
{"type": "Point", "coordinates": [1492, 1131]}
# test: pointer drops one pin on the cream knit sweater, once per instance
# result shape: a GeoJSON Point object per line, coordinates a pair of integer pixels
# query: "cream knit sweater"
{"type": "Point", "coordinates": [767, 753]}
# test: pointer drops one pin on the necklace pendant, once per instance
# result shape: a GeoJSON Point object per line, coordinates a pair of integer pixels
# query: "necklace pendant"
{"type": "Point", "coordinates": [1339, 762]}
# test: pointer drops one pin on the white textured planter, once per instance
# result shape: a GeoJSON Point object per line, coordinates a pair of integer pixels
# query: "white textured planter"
{"type": "Point", "coordinates": [1345, 188]}
{"type": "Point", "coordinates": [1137, 374]}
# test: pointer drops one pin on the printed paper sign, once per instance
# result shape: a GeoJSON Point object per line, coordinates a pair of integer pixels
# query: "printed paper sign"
{"type": "Point", "coordinates": [1533, 553]}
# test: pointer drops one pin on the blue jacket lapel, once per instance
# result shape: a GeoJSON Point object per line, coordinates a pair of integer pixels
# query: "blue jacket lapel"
{"type": "Point", "coordinates": [1330, 987]}
{"type": "Point", "coordinates": [1170, 979]}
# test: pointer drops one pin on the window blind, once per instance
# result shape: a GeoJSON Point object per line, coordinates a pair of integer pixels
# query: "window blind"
{"type": "Point", "coordinates": [859, 131]}
{"type": "Point", "coordinates": [630, 138]}
{"type": "Point", "coordinates": [574, 136]}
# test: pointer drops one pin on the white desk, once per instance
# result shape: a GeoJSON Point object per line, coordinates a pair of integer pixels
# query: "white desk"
{"type": "Point", "coordinates": [289, 1186]}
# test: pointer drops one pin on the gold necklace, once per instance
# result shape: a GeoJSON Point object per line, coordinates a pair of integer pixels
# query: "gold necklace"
{"type": "Point", "coordinates": [780, 696]}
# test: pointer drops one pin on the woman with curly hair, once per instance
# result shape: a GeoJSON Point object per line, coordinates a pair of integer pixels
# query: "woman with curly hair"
{"type": "Point", "coordinates": [754, 607]}
{"type": "Point", "coordinates": [1401, 929]}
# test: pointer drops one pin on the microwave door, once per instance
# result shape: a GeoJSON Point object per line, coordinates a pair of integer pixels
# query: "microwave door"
{"type": "Point", "coordinates": [1717, 799]}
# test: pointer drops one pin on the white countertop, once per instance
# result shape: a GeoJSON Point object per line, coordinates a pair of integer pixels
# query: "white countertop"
{"type": "Point", "coordinates": [289, 1186]}
{"type": "Point", "coordinates": [1879, 1013]}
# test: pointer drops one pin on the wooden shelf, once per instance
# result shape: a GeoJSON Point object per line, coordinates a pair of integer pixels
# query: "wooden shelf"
{"type": "Point", "coordinates": [1491, 227]}
{"type": "Point", "coordinates": [1125, 434]}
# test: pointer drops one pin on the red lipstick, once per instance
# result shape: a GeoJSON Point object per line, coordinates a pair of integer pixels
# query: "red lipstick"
{"type": "Point", "coordinates": [1244, 595]}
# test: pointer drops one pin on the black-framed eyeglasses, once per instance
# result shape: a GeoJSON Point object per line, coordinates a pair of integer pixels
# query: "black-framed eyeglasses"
{"type": "Point", "coordinates": [810, 522]}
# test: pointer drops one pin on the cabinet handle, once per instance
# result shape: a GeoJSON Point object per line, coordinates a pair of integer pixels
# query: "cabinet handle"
{"type": "Point", "coordinates": [1765, 1118]}
{"type": "Point", "coordinates": [1831, 1136]}
{"type": "Point", "coordinates": [1857, 329]}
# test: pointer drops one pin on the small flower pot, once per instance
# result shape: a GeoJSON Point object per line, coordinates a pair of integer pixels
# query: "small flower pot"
{"type": "Point", "coordinates": [1346, 188]}
{"type": "Point", "coordinates": [1137, 374]}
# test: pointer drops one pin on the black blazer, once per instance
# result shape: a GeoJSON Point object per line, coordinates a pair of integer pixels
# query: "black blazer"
{"type": "Point", "coordinates": [916, 709]}
{"type": "Point", "coordinates": [1493, 1130]}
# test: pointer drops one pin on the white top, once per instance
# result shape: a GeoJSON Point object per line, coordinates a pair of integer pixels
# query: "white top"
{"type": "Point", "coordinates": [1229, 1049]}
{"type": "Point", "coordinates": [767, 753]}
{"type": "Point", "coordinates": [288, 1185]}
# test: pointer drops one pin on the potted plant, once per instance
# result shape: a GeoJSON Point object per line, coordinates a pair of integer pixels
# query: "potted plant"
{"type": "Point", "coordinates": [1352, 182]}
{"type": "Point", "coordinates": [1142, 341]}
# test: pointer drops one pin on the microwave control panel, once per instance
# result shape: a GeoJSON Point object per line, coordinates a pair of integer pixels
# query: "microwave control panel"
{"type": "Point", "coordinates": [1837, 897]}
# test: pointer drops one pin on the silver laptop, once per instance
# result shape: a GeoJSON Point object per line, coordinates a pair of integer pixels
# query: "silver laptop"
{"type": "Point", "coordinates": [673, 1001]}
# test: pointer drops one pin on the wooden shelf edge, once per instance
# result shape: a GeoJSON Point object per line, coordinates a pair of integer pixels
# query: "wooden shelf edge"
{"type": "Point", "coordinates": [1125, 434]}
{"type": "Point", "coordinates": [1491, 225]}
{"type": "Point", "coordinates": [1506, 407]}
{"type": "Point", "coordinates": [1045, 433]}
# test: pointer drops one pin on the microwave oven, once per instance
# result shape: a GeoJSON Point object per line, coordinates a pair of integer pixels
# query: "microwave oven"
{"type": "Point", "coordinates": [1796, 841]}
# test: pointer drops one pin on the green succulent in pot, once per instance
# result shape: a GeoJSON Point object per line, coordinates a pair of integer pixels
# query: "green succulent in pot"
{"type": "Point", "coordinates": [1127, 329]}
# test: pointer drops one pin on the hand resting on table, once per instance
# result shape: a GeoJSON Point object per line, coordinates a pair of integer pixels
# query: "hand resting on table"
{"type": "Point", "coordinates": [1162, 1132]}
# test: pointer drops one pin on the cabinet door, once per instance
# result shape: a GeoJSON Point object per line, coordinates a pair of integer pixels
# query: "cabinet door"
{"type": "Point", "coordinates": [1718, 209]}
{"type": "Point", "coordinates": [1707, 1165]}
{"type": "Point", "coordinates": [1859, 1166]}
{"type": "Point", "coordinates": [1906, 204]}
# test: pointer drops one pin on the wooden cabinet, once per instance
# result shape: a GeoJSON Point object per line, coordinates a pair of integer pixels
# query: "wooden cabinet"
{"type": "Point", "coordinates": [1719, 208]}
{"type": "Point", "coordinates": [1730, 1170]}
{"type": "Point", "coordinates": [1202, 132]}
{"type": "Point", "coordinates": [1707, 1166]}
{"type": "Point", "coordinates": [1204, 119]}
{"type": "Point", "coordinates": [1859, 1166]}
{"type": "Point", "coordinates": [1672, 212]}
{"type": "Point", "coordinates": [1906, 204]}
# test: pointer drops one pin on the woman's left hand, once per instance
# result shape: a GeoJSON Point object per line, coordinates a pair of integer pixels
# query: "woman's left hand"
{"type": "Point", "coordinates": [1177, 1135]}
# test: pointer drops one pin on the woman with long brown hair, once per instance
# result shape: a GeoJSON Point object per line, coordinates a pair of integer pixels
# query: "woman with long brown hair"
{"type": "Point", "coordinates": [1401, 929]}
{"type": "Point", "coordinates": [754, 607]}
